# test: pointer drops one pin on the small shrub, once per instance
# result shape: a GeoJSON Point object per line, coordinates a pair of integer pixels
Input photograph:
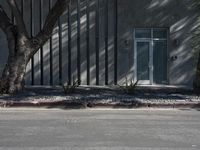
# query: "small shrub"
{"type": "Point", "coordinates": [129, 88]}
{"type": "Point", "coordinates": [68, 89]}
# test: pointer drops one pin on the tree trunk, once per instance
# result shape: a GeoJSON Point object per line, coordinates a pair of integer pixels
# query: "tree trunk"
{"type": "Point", "coordinates": [17, 70]}
{"type": "Point", "coordinates": [21, 45]}
{"type": "Point", "coordinates": [19, 55]}
{"type": "Point", "coordinates": [14, 72]}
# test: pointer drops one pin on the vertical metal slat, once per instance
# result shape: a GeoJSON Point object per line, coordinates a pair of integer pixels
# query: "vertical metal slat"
{"type": "Point", "coordinates": [78, 43]}
{"type": "Point", "coordinates": [32, 32]}
{"type": "Point", "coordinates": [106, 42]}
{"type": "Point", "coordinates": [69, 44]}
{"type": "Point", "coordinates": [51, 52]}
{"type": "Point", "coordinates": [41, 49]}
{"type": "Point", "coordinates": [97, 41]}
{"type": "Point", "coordinates": [12, 18]}
{"type": "Point", "coordinates": [115, 42]}
{"type": "Point", "coordinates": [60, 51]}
{"type": "Point", "coordinates": [22, 7]}
{"type": "Point", "coordinates": [88, 40]}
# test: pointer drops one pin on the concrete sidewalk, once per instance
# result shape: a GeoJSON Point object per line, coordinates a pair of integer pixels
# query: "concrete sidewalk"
{"type": "Point", "coordinates": [92, 97]}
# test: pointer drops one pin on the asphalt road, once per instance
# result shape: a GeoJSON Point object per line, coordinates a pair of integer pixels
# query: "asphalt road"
{"type": "Point", "coordinates": [50, 129]}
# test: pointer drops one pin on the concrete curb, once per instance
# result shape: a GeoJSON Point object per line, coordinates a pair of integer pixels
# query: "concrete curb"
{"type": "Point", "coordinates": [84, 105]}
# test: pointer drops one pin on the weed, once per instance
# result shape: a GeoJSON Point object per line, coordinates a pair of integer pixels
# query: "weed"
{"type": "Point", "coordinates": [68, 89]}
{"type": "Point", "coordinates": [129, 88]}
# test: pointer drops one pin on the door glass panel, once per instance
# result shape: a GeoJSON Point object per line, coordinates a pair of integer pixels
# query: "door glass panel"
{"type": "Point", "coordinates": [160, 62]}
{"type": "Point", "coordinates": [160, 33]}
{"type": "Point", "coordinates": [143, 60]}
{"type": "Point", "coordinates": [143, 33]}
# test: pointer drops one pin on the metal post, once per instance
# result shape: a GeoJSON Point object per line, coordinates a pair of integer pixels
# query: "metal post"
{"type": "Point", "coordinates": [32, 32]}
{"type": "Point", "coordinates": [97, 42]}
{"type": "Point", "coordinates": [51, 52]}
{"type": "Point", "coordinates": [69, 44]}
{"type": "Point", "coordinates": [22, 7]}
{"type": "Point", "coordinates": [88, 40]}
{"type": "Point", "coordinates": [115, 42]}
{"type": "Point", "coordinates": [41, 49]}
{"type": "Point", "coordinates": [78, 43]}
{"type": "Point", "coordinates": [60, 50]}
{"type": "Point", "coordinates": [106, 41]}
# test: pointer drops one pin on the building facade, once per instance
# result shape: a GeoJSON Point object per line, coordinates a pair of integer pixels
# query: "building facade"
{"type": "Point", "coordinates": [105, 42]}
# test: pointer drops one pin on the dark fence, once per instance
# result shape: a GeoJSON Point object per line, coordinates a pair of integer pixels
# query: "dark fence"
{"type": "Point", "coordinates": [85, 35]}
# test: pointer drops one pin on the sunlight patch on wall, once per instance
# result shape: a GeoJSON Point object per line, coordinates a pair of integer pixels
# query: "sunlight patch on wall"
{"type": "Point", "coordinates": [158, 3]}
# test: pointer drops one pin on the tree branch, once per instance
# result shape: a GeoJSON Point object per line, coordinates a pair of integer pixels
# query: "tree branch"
{"type": "Point", "coordinates": [5, 21]}
{"type": "Point", "coordinates": [50, 22]}
{"type": "Point", "coordinates": [8, 28]}
{"type": "Point", "coordinates": [18, 17]}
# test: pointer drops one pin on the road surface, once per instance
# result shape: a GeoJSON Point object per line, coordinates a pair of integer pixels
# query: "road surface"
{"type": "Point", "coordinates": [57, 129]}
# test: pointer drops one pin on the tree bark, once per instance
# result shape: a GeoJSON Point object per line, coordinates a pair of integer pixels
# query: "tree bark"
{"type": "Point", "coordinates": [21, 47]}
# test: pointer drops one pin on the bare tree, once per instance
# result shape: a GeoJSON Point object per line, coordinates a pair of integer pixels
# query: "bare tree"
{"type": "Point", "coordinates": [22, 46]}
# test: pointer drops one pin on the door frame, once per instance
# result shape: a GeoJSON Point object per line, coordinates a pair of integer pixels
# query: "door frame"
{"type": "Point", "coordinates": [152, 39]}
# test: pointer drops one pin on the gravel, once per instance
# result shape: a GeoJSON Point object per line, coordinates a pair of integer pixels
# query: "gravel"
{"type": "Point", "coordinates": [104, 95]}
